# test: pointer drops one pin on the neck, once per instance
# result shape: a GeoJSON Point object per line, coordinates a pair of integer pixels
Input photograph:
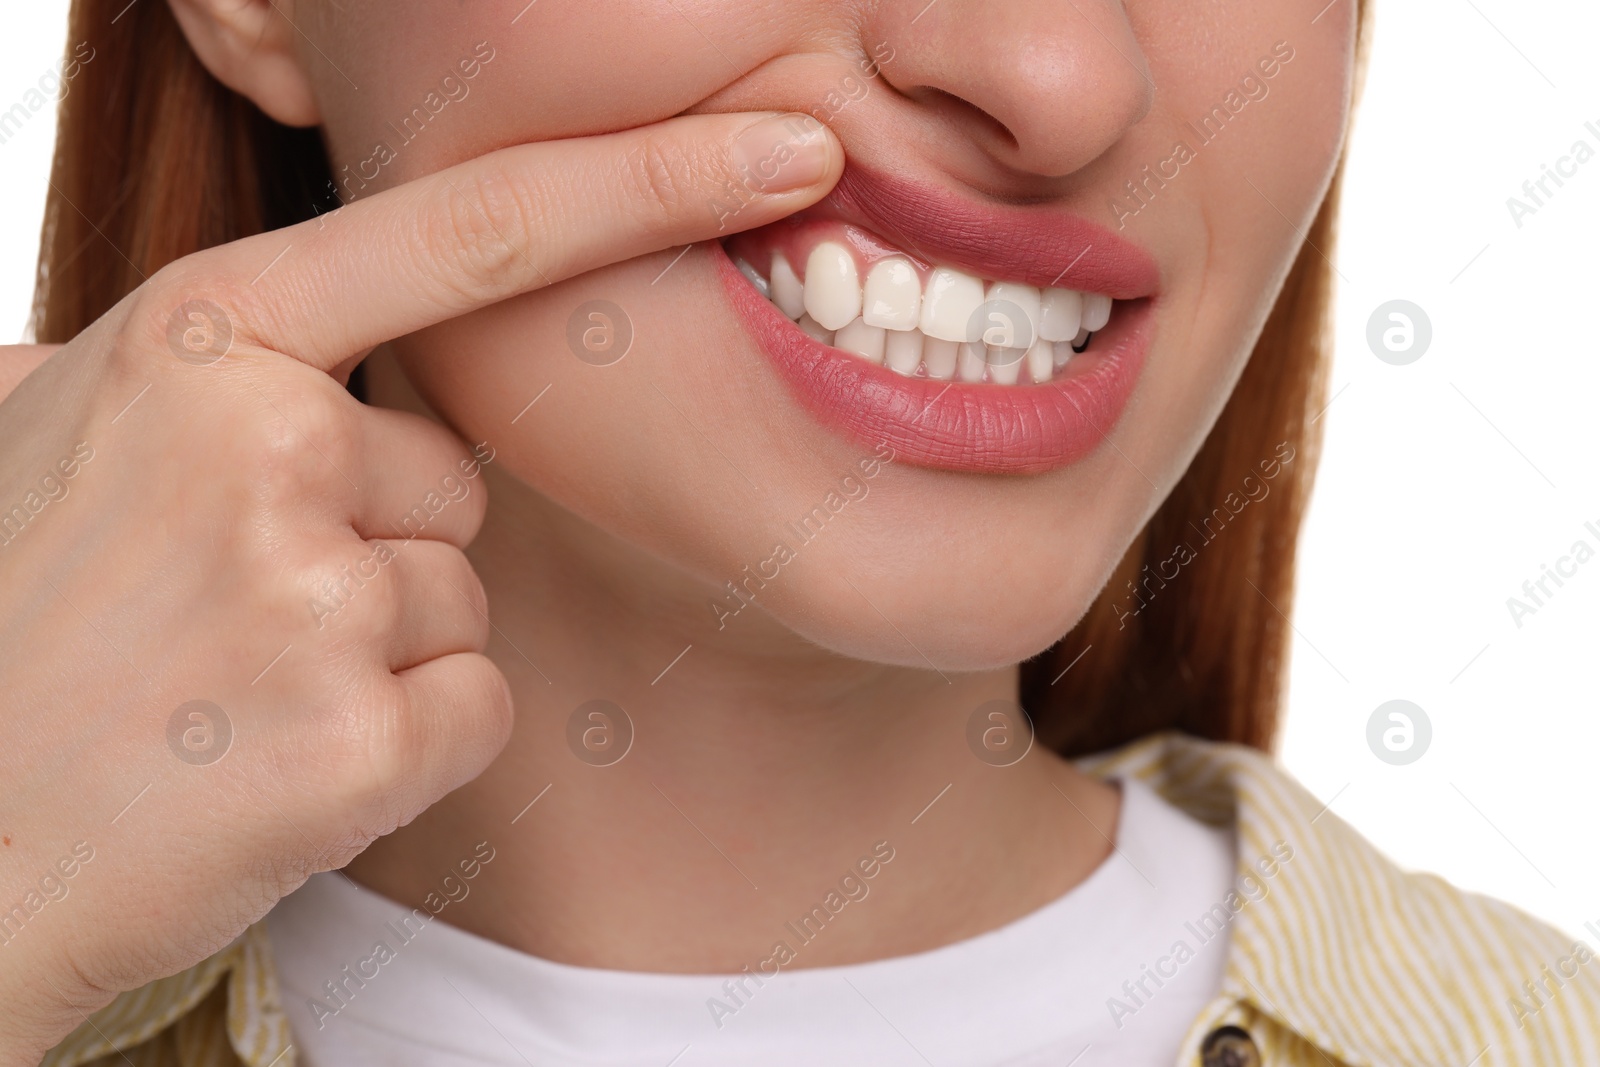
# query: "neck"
{"type": "Point", "coordinates": [745, 783]}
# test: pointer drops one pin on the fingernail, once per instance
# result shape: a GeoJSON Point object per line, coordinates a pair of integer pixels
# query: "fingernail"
{"type": "Point", "coordinates": [783, 153]}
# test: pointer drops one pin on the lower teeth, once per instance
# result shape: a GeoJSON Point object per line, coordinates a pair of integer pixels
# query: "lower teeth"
{"type": "Point", "coordinates": [912, 354]}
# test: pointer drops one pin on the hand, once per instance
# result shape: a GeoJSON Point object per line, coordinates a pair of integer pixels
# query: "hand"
{"type": "Point", "coordinates": [225, 662]}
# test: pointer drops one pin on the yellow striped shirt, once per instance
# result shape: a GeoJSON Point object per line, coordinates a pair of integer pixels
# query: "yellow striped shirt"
{"type": "Point", "coordinates": [1337, 957]}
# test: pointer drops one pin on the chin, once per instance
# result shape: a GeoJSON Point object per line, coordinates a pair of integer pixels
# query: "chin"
{"type": "Point", "coordinates": [991, 640]}
{"type": "Point", "coordinates": [989, 618]}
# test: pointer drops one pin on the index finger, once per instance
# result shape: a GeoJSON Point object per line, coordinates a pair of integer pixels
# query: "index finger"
{"type": "Point", "coordinates": [513, 221]}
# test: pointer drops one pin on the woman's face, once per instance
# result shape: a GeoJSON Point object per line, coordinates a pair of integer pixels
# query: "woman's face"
{"type": "Point", "coordinates": [1162, 153]}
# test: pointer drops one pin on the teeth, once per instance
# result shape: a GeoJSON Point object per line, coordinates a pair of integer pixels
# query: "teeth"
{"type": "Point", "coordinates": [899, 321]}
{"type": "Point", "coordinates": [973, 362]}
{"type": "Point", "coordinates": [755, 278]}
{"type": "Point", "coordinates": [894, 295]}
{"type": "Point", "coordinates": [1096, 311]}
{"type": "Point", "coordinates": [902, 350]}
{"type": "Point", "coordinates": [1041, 361]}
{"type": "Point", "coordinates": [815, 329]}
{"type": "Point", "coordinates": [833, 286]}
{"type": "Point", "coordinates": [865, 341]}
{"type": "Point", "coordinates": [1005, 364]}
{"type": "Point", "coordinates": [940, 358]}
{"type": "Point", "coordinates": [1005, 300]}
{"type": "Point", "coordinates": [948, 305]}
{"type": "Point", "coordinates": [787, 292]}
{"type": "Point", "coordinates": [1061, 314]}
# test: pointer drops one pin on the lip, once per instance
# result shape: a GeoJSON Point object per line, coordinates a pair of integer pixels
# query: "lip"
{"type": "Point", "coordinates": [959, 426]}
{"type": "Point", "coordinates": [1037, 245]}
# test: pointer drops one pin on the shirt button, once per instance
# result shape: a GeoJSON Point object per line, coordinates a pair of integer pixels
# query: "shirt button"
{"type": "Point", "coordinates": [1229, 1046]}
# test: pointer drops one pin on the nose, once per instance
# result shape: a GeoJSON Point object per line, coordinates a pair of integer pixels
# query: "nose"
{"type": "Point", "coordinates": [1041, 86]}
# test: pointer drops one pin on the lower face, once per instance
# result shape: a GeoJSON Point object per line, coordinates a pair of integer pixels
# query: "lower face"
{"type": "Point", "coordinates": [920, 422]}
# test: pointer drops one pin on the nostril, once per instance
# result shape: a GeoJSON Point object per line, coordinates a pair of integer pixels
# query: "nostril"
{"type": "Point", "coordinates": [967, 114]}
{"type": "Point", "coordinates": [1043, 90]}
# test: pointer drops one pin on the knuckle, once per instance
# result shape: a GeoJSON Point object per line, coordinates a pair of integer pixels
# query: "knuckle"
{"type": "Point", "coordinates": [497, 699]}
{"type": "Point", "coordinates": [371, 751]}
{"type": "Point", "coordinates": [189, 311]}
{"type": "Point", "coordinates": [308, 434]}
{"type": "Point", "coordinates": [492, 695]}
{"type": "Point", "coordinates": [479, 685]}
{"type": "Point", "coordinates": [661, 176]}
{"type": "Point", "coordinates": [347, 591]}
{"type": "Point", "coordinates": [474, 601]}
{"type": "Point", "coordinates": [478, 232]}
{"type": "Point", "coordinates": [398, 747]}
{"type": "Point", "coordinates": [388, 757]}
{"type": "Point", "coordinates": [150, 305]}
{"type": "Point", "coordinates": [141, 334]}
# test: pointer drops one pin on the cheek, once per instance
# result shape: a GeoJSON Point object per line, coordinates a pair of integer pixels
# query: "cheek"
{"type": "Point", "coordinates": [553, 70]}
{"type": "Point", "coordinates": [1264, 117]}
{"type": "Point", "coordinates": [1240, 180]}
{"type": "Point", "coordinates": [651, 414]}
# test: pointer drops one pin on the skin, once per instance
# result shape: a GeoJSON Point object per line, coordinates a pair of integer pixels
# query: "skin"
{"type": "Point", "coordinates": [142, 834]}
{"type": "Point", "coordinates": [777, 750]}
{"type": "Point", "coordinates": [828, 718]}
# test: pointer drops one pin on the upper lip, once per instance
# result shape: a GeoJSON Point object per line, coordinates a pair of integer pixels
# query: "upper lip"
{"type": "Point", "coordinates": [1037, 245]}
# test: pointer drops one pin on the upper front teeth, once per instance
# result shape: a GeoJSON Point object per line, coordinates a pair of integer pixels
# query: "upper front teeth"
{"type": "Point", "coordinates": [952, 327]}
{"type": "Point", "coordinates": [833, 286]}
{"type": "Point", "coordinates": [1003, 333]}
{"type": "Point", "coordinates": [1060, 314]}
{"type": "Point", "coordinates": [894, 295]}
{"type": "Point", "coordinates": [949, 304]}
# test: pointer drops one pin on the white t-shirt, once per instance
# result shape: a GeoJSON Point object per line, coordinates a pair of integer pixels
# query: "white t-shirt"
{"type": "Point", "coordinates": [1093, 979]}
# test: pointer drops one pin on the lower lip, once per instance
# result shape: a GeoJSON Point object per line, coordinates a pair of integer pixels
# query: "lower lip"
{"type": "Point", "coordinates": [957, 426]}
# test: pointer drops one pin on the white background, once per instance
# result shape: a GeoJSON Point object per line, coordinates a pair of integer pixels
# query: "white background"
{"type": "Point", "coordinates": [1446, 483]}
